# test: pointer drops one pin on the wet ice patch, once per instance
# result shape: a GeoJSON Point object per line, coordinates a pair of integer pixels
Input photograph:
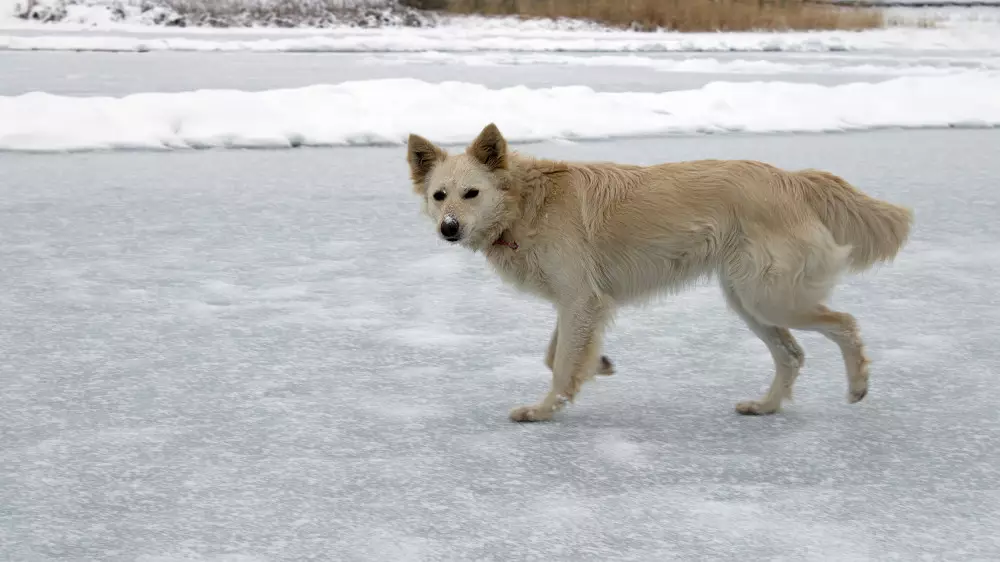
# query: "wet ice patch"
{"type": "Point", "coordinates": [400, 410]}
{"type": "Point", "coordinates": [437, 266]}
{"type": "Point", "coordinates": [224, 293]}
{"type": "Point", "coordinates": [917, 349]}
{"type": "Point", "coordinates": [191, 556]}
{"type": "Point", "coordinates": [431, 336]}
{"type": "Point", "coordinates": [616, 447]}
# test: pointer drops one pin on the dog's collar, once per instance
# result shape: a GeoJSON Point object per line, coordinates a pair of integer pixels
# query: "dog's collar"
{"type": "Point", "coordinates": [501, 242]}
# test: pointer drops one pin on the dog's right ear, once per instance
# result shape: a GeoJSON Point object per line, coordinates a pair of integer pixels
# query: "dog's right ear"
{"type": "Point", "coordinates": [490, 148]}
{"type": "Point", "coordinates": [422, 156]}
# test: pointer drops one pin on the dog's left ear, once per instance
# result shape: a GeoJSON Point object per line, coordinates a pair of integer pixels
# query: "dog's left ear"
{"type": "Point", "coordinates": [490, 148]}
{"type": "Point", "coordinates": [422, 155]}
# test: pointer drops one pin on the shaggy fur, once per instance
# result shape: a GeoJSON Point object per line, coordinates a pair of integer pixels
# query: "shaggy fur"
{"type": "Point", "coordinates": [591, 237]}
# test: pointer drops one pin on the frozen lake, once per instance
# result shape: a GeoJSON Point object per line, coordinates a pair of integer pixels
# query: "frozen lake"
{"type": "Point", "coordinates": [118, 74]}
{"type": "Point", "coordinates": [267, 355]}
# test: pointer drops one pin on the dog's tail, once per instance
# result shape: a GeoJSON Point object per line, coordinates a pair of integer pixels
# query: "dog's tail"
{"type": "Point", "coordinates": [875, 230]}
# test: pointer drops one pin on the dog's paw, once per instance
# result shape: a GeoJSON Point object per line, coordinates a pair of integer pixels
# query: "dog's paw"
{"type": "Point", "coordinates": [855, 395]}
{"type": "Point", "coordinates": [605, 367]}
{"type": "Point", "coordinates": [756, 408]}
{"type": "Point", "coordinates": [858, 387]}
{"type": "Point", "coordinates": [531, 414]}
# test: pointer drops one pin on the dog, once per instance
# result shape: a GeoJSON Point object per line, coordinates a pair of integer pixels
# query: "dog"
{"type": "Point", "coordinates": [592, 237]}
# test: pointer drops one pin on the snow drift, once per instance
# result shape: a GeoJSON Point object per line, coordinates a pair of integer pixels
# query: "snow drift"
{"type": "Point", "coordinates": [386, 111]}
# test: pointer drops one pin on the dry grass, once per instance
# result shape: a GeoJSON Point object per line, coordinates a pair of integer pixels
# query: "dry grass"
{"type": "Point", "coordinates": [685, 15]}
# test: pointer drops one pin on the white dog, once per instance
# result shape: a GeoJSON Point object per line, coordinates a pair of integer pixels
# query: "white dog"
{"type": "Point", "coordinates": [590, 237]}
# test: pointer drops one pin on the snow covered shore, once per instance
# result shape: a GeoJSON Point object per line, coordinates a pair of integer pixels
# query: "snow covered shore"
{"type": "Point", "coordinates": [383, 112]}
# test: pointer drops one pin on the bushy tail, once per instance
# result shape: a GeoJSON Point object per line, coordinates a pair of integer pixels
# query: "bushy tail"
{"type": "Point", "coordinates": [874, 229]}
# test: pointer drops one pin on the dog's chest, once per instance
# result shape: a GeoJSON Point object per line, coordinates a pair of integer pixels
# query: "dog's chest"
{"type": "Point", "coordinates": [520, 268]}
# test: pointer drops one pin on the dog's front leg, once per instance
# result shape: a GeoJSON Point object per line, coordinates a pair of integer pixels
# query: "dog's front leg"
{"type": "Point", "coordinates": [604, 366]}
{"type": "Point", "coordinates": [577, 354]}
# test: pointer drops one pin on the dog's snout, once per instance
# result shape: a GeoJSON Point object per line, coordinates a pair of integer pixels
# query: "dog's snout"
{"type": "Point", "coordinates": [450, 228]}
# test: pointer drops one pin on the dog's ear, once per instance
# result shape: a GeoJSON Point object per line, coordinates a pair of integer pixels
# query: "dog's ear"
{"type": "Point", "coordinates": [490, 148]}
{"type": "Point", "coordinates": [422, 156]}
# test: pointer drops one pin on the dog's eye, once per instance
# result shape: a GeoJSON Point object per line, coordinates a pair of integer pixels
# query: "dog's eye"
{"type": "Point", "coordinates": [439, 196]}
{"type": "Point", "coordinates": [471, 194]}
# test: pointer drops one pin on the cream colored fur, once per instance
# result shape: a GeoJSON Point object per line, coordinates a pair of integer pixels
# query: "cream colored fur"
{"type": "Point", "coordinates": [591, 237]}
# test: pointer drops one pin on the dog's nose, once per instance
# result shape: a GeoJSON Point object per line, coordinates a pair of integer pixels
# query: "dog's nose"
{"type": "Point", "coordinates": [450, 228]}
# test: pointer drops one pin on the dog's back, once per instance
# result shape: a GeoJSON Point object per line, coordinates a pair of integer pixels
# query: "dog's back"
{"type": "Point", "coordinates": [659, 227]}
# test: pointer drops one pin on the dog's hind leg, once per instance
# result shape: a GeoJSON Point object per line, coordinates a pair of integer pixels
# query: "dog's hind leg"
{"type": "Point", "coordinates": [782, 281]}
{"type": "Point", "coordinates": [577, 355]}
{"type": "Point", "coordinates": [786, 352]}
{"type": "Point", "coordinates": [605, 367]}
{"type": "Point", "coordinates": [842, 329]}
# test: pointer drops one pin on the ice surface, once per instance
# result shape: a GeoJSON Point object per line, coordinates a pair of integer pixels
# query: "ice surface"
{"type": "Point", "coordinates": [386, 111]}
{"type": "Point", "coordinates": [980, 37]}
{"type": "Point", "coordinates": [897, 66]}
{"type": "Point", "coordinates": [120, 74]}
{"type": "Point", "coordinates": [254, 356]}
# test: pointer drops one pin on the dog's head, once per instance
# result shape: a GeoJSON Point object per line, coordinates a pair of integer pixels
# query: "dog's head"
{"type": "Point", "coordinates": [466, 195]}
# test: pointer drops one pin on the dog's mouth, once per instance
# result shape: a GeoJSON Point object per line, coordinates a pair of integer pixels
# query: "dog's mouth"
{"type": "Point", "coordinates": [477, 240]}
{"type": "Point", "coordinates": [503, 241]}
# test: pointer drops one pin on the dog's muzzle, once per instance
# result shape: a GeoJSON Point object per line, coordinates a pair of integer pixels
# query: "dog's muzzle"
{"type": "Point", "coordinates": [450, 228]}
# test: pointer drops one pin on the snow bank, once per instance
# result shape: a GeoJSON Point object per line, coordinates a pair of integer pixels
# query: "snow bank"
{"type": "Point", "coordinates": [386, 111]}
{"type": "Point", "coordinates": [469, 39]}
